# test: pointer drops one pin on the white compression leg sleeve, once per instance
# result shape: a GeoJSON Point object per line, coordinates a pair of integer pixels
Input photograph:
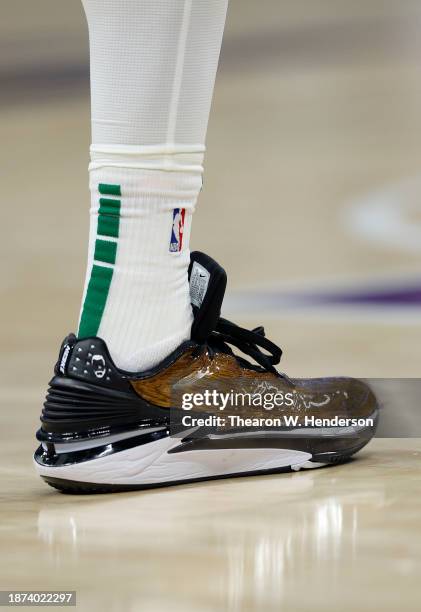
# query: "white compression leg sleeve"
{"type": "Point", "coordinates": [153, 66]}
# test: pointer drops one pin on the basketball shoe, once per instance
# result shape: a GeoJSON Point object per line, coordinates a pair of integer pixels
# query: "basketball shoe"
{"type": "Point", "coordinates": [204, 412]}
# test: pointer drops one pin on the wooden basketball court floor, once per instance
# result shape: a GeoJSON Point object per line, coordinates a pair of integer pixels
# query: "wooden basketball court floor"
{"type": "Point", "coordinates": [312, 202]}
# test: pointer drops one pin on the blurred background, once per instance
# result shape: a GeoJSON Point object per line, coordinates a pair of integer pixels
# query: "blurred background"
{"type": "Point", "coordinates": [312, 186]}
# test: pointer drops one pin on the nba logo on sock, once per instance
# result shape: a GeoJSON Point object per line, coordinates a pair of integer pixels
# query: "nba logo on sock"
{"type": "Point", "coordinates": [176, 241]}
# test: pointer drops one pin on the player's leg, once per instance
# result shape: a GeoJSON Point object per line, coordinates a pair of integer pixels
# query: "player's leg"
{"type": "Point", "coordinates": [153, 65]}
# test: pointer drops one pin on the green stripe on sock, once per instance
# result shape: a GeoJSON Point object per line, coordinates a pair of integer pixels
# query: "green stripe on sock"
{"type": "Point", "coordinates": [105, 189]}
{"type": "Point", "coordinates": [108, 226]}
{"type": "Point", "coordinates": [95, 300]}
{"type": "Point", "coordinates": [109, 216]}
{"type": "Point", "coordinates": [107, 206]}
{"type": "Point", "coordinates": [105, 251]}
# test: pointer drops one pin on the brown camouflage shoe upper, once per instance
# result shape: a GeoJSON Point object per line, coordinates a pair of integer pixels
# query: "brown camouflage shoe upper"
{"type": "Point", "coordinates": [194, 373]}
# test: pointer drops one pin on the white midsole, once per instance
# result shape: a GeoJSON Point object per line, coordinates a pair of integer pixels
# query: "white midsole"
{"type": "Point", "coordinates": [151, 463]}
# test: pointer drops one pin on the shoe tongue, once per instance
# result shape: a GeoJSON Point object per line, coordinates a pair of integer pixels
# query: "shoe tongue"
{"type": "Point", "coordinates": [208, 281]}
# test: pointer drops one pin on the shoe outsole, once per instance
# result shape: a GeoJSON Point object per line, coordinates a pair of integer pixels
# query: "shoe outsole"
{"type": "Point", "coordinates": [73, 487]}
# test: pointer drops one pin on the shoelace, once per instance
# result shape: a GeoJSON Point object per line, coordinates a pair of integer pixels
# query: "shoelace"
{"type": "Point", "coordinates": [249, 342]}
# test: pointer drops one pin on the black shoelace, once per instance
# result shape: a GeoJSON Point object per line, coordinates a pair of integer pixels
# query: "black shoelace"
{"type": "Point", "coordinates": [249, 342]}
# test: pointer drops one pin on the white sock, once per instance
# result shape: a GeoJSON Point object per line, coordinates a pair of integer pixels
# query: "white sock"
{"type": "Point", "coordinates": [153, 65]}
